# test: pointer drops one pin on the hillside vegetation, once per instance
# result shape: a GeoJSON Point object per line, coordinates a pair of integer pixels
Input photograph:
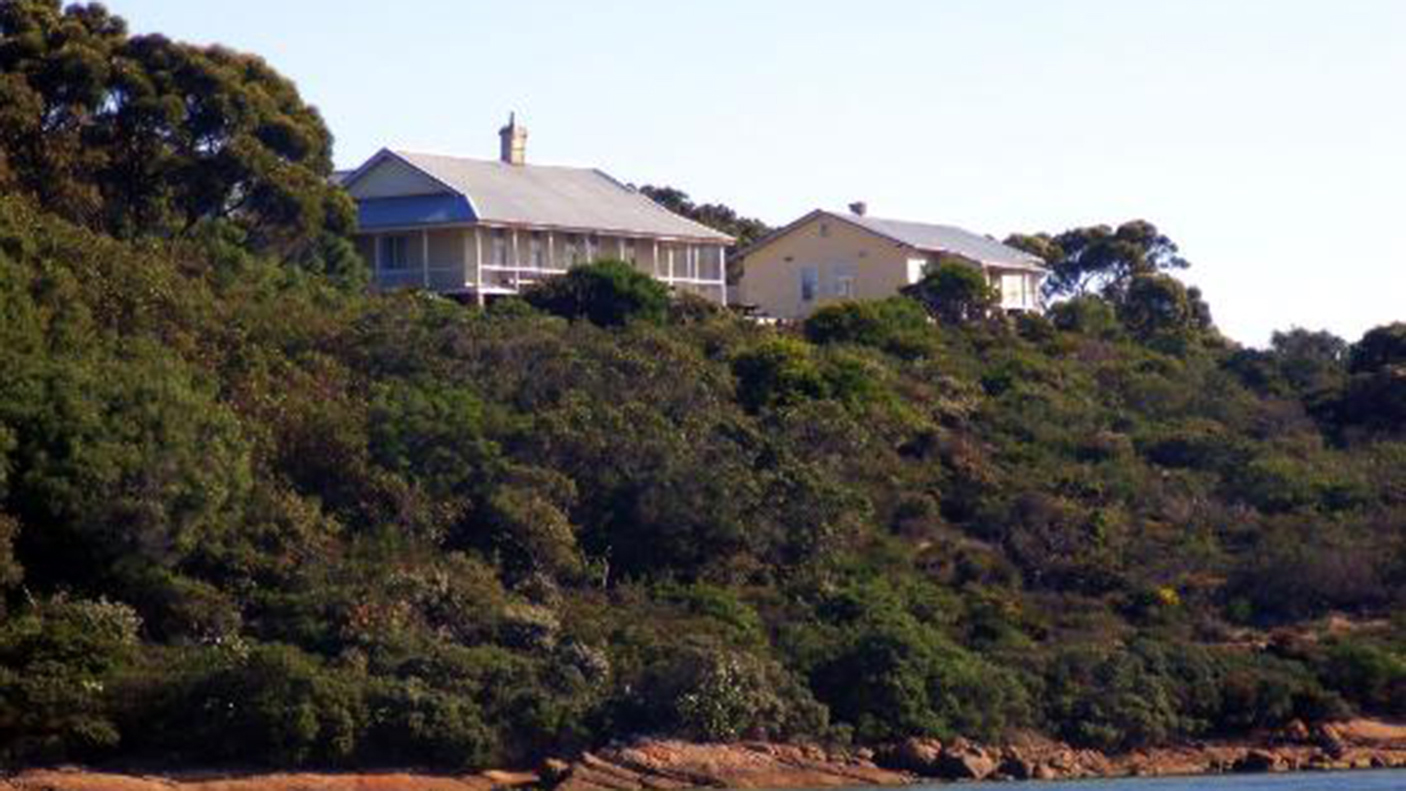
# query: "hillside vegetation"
{"type": "Point", "coordinates": [250, 512]}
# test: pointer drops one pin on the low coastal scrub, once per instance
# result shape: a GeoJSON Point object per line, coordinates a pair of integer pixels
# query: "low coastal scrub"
{"type": "Point", "coordinates": [251, 512]}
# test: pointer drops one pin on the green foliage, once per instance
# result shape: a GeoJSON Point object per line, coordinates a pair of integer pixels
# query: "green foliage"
{"type": "Point", "coordinates": [954, 292]}
{"type": "Point", "coordinates": [1158, 308]}
{"type": "Point", "coordinates": [1099, 259]}
{"type": "Point", "coordinates": [1371, 676]}
{"type": "Point", "coordinates": [885, 671]}
{"type": "Point", "coordinates": [1379, 348]}
{"type": "Point", "coordinates": [413, 723]}
{"type": "Point", "coordinates": [139, 135]}
{"type": "Point", "coordinates": [606, 293]}
{"type": "Point", "coordinates": [780, 372]}
{"type": "Point", "coordinates": [896, 325]}
{"type": "Point", "coordinates": [1151, 692]}
{"type": "Point", "coordinates": [275, 705]}
{"type": "Point", "coordinates": [57, 658]}
{"type": "Point", "coordinates": [260, 514]}
{"type": "Point", "coordinates": [717, 694]}
{"type": "Point", "coordinates": [1087, 315]}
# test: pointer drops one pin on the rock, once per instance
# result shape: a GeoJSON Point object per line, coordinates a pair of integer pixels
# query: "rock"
{"type": "Point", "coordinates": [1260, 761]}
{"type": "Point", "coordinates": [1331, 743]}
{"type": "Point", "coordinates": [554, 770]}
{"type": "Point", "coordinates": [919, 756]}
{"type": "Point", "coordinates": [660, 765]}
{"type": "Point", "coordinates": [1295, 732]}
{"type": "Point", "coordinates": [1017, 767]}
{"type": "Point", "coordinates": [965, 762]}
{"type": "Point", "coordinates": [502, 779]}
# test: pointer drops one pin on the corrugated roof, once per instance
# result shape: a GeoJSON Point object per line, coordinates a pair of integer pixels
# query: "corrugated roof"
{"type": "Point", "coordinates": [561, 197]}
{"type": "Point", "coordinates": [947, 239]}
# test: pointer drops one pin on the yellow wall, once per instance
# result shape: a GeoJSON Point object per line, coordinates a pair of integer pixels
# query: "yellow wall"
{"type": "Point", "coordinates": [772, 276]}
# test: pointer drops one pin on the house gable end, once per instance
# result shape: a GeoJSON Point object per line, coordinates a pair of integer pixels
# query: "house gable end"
{"type": "Point", "coordinates": [389, 176]}
{"type": "Point", "coordinates": [805, 222]}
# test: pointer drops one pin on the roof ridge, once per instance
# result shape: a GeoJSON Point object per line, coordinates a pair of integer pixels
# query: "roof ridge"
{"type": "Point", "coordinates": [486, 160]}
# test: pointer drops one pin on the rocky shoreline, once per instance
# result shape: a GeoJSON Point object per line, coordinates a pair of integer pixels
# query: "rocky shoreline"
{"type": "Point", "coordinates": [667, 765]}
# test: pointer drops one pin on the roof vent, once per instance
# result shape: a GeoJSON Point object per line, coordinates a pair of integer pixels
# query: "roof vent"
{"type": "Point", "coordinates": [859, 208]}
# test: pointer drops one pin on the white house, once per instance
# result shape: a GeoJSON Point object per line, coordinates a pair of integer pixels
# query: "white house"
{"type": "Point", "coordinates": [478, 228]}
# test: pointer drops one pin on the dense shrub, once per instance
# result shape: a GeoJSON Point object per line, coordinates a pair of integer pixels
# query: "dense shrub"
{"type": "Point", "coordinates": [719, 694]}
{"type": "Point", "coordinates": [896, 325]}
{"type": "Point", "coordinates": [954, 291]}
{"type": "Point", "coordinates": [249, 512]}
{"type": "Point", "coordinates": [607, 293]}
{"type": "Point", "coordinates": [57, 660]}
{"type": "Point", "coordinates": [1370, 676]}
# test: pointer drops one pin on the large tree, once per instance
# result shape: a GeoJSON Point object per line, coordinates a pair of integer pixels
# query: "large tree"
{"type": "Point", "coordinates": [140, 135]}
{"type": "Point", "coordinates": [1100, 259]}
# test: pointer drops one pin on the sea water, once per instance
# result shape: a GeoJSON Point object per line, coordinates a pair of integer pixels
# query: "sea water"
{"type": "Point", "coordinates": [1385, 780]}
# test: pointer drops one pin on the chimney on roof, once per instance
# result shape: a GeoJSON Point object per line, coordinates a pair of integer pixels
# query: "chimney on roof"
{"type": "Point", "coordinates": [859, 208]}
{"type": "Point", "coordinates": [513, 142]}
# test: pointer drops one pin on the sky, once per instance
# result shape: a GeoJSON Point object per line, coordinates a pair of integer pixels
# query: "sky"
{"type": "Point", "coordinates": [1266, 137]}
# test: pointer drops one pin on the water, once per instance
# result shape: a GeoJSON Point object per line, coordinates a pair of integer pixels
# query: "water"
{"type": "Point", "coordinates": [1387, 780]}
{"type": "Point", "coordinates": [1303, 781]}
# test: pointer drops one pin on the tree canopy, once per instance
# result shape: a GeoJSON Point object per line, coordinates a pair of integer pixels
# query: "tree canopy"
{"type": "Point", "coordinates": [954, 291]}
{"type": "Point", "coordinates": [1100, 259]}
{"type": "Point", "coordinates": [140, 135]}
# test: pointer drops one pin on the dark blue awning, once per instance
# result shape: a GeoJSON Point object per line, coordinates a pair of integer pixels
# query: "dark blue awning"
{"type": "Point", "coordinates": [409, 210]}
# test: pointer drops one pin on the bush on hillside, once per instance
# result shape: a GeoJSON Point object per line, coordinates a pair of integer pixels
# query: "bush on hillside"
{"type": "Point", "coordinates": [607, 293]}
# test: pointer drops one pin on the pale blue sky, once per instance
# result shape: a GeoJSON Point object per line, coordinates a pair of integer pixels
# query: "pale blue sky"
{"type": "Point", "coordinates": [1267, 137]}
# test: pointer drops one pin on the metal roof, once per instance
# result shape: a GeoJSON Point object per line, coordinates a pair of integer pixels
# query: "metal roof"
{"type": "Point", "coordinates": [549, 196]}
{"type": "Point", "coordinates": [412, 210]}
{"type": "Point", "coordinates": [946, 239]}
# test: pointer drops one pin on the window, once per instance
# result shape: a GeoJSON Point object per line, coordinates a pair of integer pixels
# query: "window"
{"type": "Point", "coordinates": [842, 281]}
{"type": "Point", "coordinates": [1013, 290]}
{"type": "Point", "coordinates": [592, 247]}
{"type": "Point", "coordinates": [573, 249]}
{"type": "Point", "coordinates": [537, 250]}
{"type": "Point", "coordinates": [810, 283]}
{"type": "Point", "coordinates": [627, 250]}
{"type": "Point", "coordinates": [917, 267]}
{"type": "Point", "coordinates": [824, 229]}
{"type": "Point", "coordinates": [499, 251]}
{"type": "Point", "coordinates": [395, 252]}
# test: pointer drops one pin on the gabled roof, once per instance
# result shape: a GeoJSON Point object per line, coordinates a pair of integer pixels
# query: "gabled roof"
{"type": "Point", "coordinates": [925, 237]}
{"type": "Point", "coordinates": [582, 199]}
{"type": "Point", "coordinates": [932, 238]}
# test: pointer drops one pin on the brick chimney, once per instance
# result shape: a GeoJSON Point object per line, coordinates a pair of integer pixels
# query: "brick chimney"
{"type": "Point", "coordinates": [513, 142]}
{"type": "Point", "coordinates": [859, 208]}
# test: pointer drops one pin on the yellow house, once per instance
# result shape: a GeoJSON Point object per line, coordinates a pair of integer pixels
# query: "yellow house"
{"type": "Point", "coordinates": [476, 228]}
{"type": "Point", "coordinates": [831, 256]}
